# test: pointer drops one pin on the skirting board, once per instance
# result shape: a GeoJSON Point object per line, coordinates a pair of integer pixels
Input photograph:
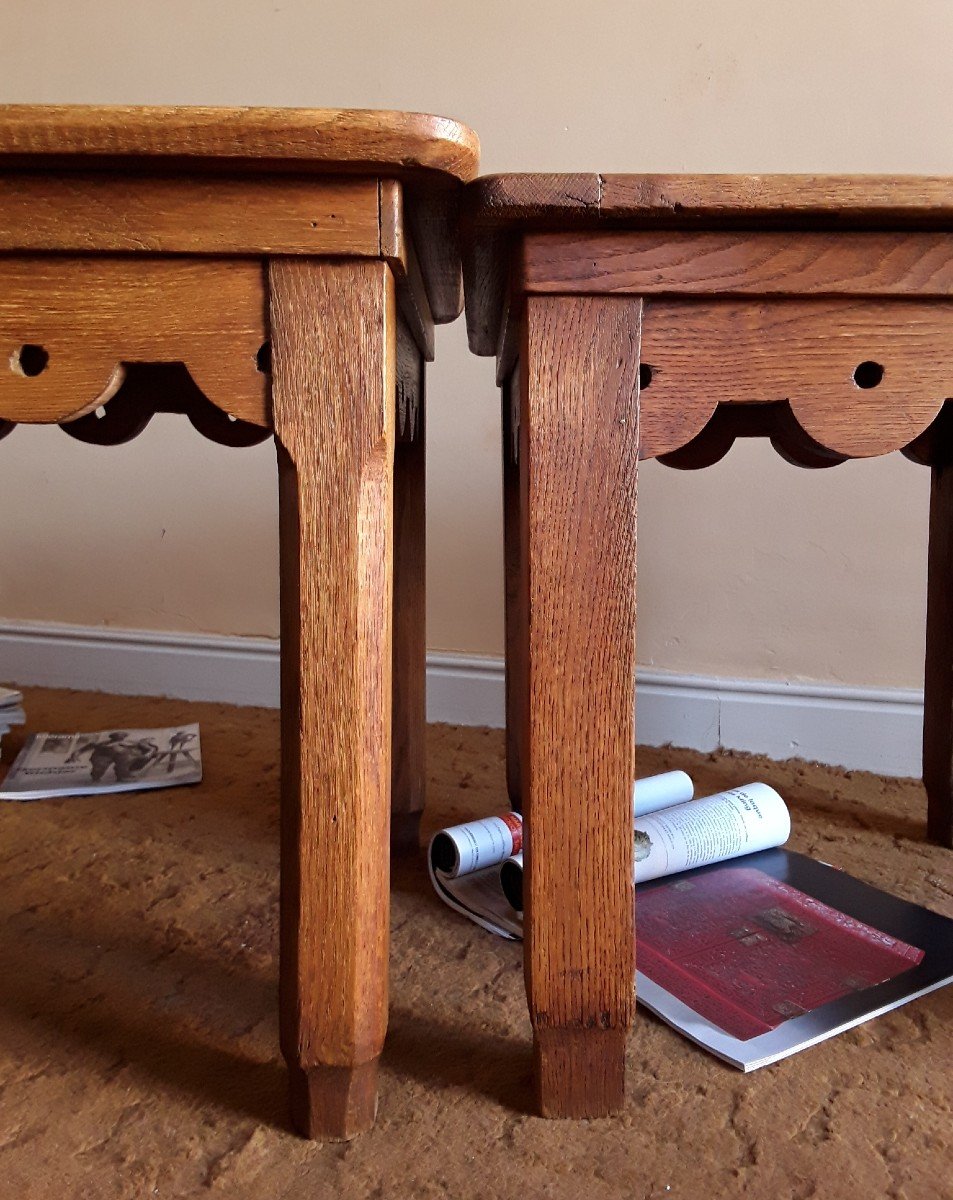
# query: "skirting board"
{"type": "Point", "coordinates": [854, 727]}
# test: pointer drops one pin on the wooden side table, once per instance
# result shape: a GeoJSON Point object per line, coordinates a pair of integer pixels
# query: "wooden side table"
{"type": "Point", "coordinates": [661, 317]}
{"type": "Point", "coordinates": [264, 272]}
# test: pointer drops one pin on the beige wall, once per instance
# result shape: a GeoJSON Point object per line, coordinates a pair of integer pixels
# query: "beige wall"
{"type": "Point", "coordinates": [750, 568]}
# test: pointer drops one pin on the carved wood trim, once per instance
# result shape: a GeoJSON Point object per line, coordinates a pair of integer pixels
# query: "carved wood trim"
{"type": "Point", "coordinates": [934, 447]}
{"type": "Point", "coordinates": [730, 421]}
{"type": "Point", "coordinates": [862, 377]}
{"type": "Point", "coordinates": [150, 388]}
{"type": "Point", "coordinates": [67, 326]}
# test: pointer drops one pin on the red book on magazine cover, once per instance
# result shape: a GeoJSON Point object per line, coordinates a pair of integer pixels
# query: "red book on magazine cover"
{"type": "Point", "coordinates": [747, 951]}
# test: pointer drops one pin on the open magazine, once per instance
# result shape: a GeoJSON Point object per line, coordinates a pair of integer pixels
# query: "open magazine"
{"type": "Point", "coordinates": [751, 951]}
{"type": "Point", "coordinates": [116, 760]}
{"type": "Point", "coordinates": [477, 867]}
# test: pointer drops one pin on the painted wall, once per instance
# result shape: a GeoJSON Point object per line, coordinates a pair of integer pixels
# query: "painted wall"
{"type": "Point", "coordinates": [752, 568]}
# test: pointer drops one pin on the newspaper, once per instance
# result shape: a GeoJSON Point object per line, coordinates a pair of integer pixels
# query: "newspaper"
{"type": "Point", "coordinates": [11, 709]}
{"type": "Point", "coordinates": [115, 760]}
{"type": "Point", "coordinates": [465, 860]}
{"type": "Point", "coordinates": [9, 717]}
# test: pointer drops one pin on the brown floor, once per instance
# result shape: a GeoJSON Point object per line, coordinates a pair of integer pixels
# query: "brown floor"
{"type": "Point", "coordinates": [138, 1027]}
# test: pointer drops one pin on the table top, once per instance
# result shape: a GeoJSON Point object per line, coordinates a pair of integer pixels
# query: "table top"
{"type": "Point", "coordinates": [590, 199]}
{"type": "Point", "coordinates": [302, 140]}
{"type": "Point", "coordinates": [497, 207]}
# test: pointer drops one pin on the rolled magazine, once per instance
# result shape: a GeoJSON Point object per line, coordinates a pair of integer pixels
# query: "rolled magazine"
{"type": "Point", "coordinates": [464, 861]}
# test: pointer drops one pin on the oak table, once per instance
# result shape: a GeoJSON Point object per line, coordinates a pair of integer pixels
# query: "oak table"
{"type": "Point", "coordinates": [647, 316]}
{"type": "Point", "coordinates": [270, 272]}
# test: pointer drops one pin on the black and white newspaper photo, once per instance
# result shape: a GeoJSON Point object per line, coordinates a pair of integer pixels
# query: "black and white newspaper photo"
{"type": "Point", "coordinates": [115, 760]}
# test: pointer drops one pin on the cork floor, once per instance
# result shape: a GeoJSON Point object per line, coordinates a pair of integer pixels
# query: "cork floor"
{"type": "Point", "coordinates": [138, 1018]}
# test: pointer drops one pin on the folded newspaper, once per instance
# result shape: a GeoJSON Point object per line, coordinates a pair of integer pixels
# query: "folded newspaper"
{"type": "Point", "coordinates": [116, 760]}
{"type": "Point", "coordinates": [754, 959]}
{"type": "Point", "coordinates": [11, 710]}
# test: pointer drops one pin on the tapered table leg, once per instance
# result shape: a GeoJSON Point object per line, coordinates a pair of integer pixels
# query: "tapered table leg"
{"type": "Point", "coordinates": [408, 775]}
{"type": "Point", "coordinates": [938, 676]}
{"type": "Point", "coordinates": [579, 449]}
{"type": "Point", "coordinates": [333, 329]}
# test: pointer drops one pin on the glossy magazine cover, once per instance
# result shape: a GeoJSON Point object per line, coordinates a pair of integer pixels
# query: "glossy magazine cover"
{"type": "Point", "coordinates": [758, 958]}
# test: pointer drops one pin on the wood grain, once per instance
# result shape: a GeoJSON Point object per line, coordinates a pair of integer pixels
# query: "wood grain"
{"type": "Point", "coordinates": [914, 200]}
{"type": "Point", "coordinates": [150, 388]}
{"type": "Point", "coordinates": [414, 304]}
{"type": "Point", "coordinates": [517, 681]}
{"type": "Point", "coordinates": [591, 197]}
{"type": "Point", "coordinates": [333, 331]}
{"type": "Point", "coordinates": [579, 447]}
{"type": "Point", "coordinates": [408, 771]}
{"type": "Point", "coordinates": [91, 314]}
{"type": "Point", "coordinates": [393, 237]}
{"type": "Point", "coordinates": [189, 147]}
{"type": "Point", "coordinates": [90, 211]}
{"type": "Point", "coordinates": [326, 138]}
{"type": "Point", "coordinates": [753, 263]}
{"type": "Point", "coordinates": [433, 214]}
{"type": "Point", "coordinates": [494, 209]}
{"type": "Point", "coordinates": [498, 208]}
{"type": "Point", "coordinates": [803, 351]}
{"type": "Point", "coordinates": [420, 237]}
{"type": "Point", "coordinates": [397, 247]}
{"type": "Point", "coordinates": [487, 259]}
{"type": "Point", "coordinates": [511, 334]}
{"type": "Point", "coordinates": [731, 421]}
{"type": "Point", "coordinates": [938, 675]}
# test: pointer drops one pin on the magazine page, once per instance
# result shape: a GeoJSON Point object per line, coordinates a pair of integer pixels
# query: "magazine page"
{"type": "Point", "coordinates": [479, 897]}
{"type": "Point", "coordinates": [464, 860]}
{"type": "Point", "coordinates": [738, 821]}
{"type": "Point", "coordinates": [115, 760]}
{"type": "Point", "coordinates": [661, 791]}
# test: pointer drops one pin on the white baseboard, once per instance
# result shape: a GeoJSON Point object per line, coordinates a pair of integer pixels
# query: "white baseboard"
{"type": "Point", "coordinates": [464, 689]}
{"type": "Point", "coordinates": [854, 727]}
{"type": "Point", "coordinates": [136, 662]}
{"type": "Point", "coordinates": [860, 728]}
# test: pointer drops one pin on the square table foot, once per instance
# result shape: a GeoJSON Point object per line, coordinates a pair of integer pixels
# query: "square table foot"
{"type": "Point", "coordinates": [334, 1104]}
{"type": "Point", "coordinates": [579, 1072]}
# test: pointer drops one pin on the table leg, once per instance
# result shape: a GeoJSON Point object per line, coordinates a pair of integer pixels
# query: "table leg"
{"type": "Point", "coordinates": [333, 394]}
{"type": "Point", "coordinates": [579, 450]}
{"type": "Point", "coordinates": [513, 592]}
{"type": "Point", "coordinates": [938, 676]}
{"type": "Point", "coordinates": [408, 775]}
